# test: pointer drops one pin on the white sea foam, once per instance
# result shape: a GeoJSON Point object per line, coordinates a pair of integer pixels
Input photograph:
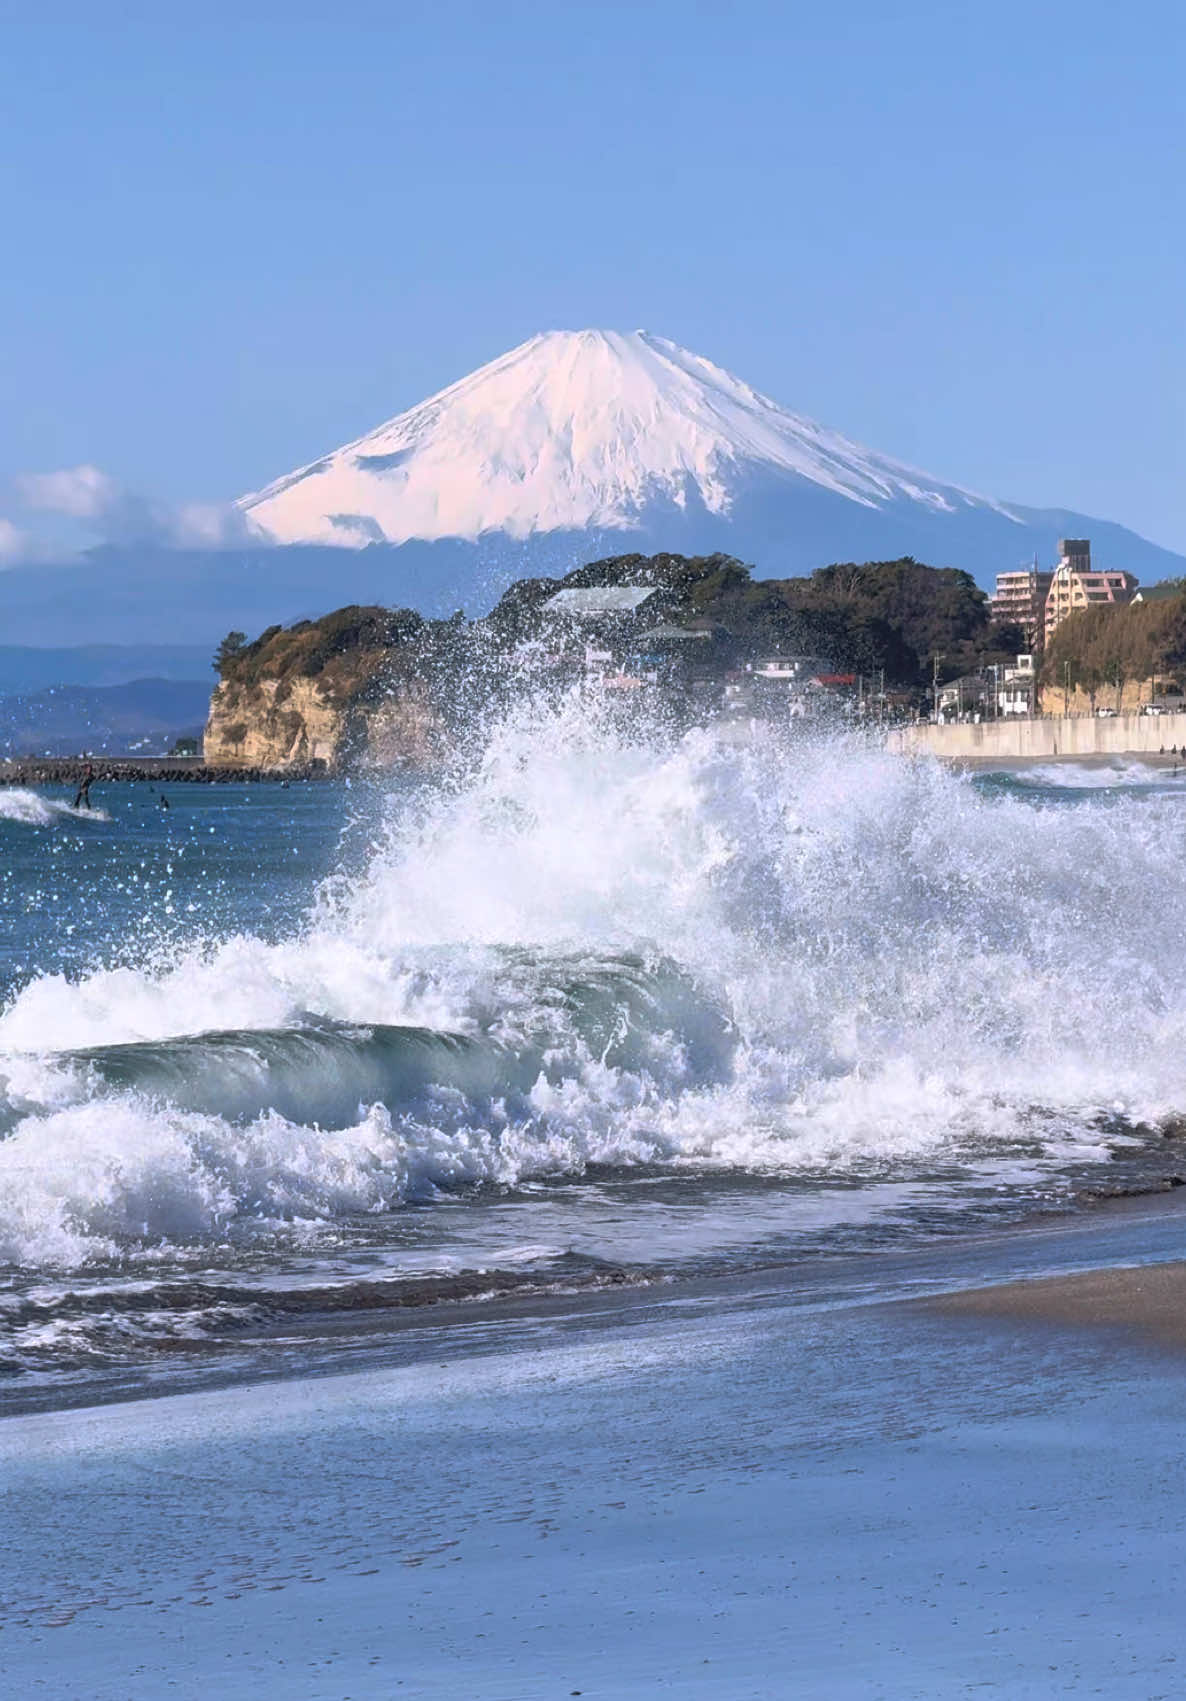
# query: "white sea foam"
{"type": "Point", "coordinates": [31, 809]}
{"type": "Point", "coordinates": [914, 970]}
{"type": "Point", "coordinates": [1079, 776]}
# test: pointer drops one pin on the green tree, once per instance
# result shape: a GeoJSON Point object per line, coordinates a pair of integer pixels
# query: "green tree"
{"type": "Point", "coordinates": [228, 652]}
{"type": "Point", "coordinates": [1115, 644]}
{"type": "Point", "coordinates": [931, 608]}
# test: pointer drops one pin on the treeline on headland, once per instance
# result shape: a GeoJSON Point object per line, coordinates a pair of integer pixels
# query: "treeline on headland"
{"type": "Point", "coordinates": [868, 617]}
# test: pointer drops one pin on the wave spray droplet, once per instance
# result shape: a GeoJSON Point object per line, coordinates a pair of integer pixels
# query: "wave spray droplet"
{"type": "Point", "coordinates": [708, 954]}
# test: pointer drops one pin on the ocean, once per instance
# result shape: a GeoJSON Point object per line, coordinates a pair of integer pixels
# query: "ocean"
{"type": "Point", "coordinates": [283, 1065]}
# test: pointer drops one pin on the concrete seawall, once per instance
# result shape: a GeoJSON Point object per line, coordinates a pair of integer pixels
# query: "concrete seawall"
{"type": "Point", "coordinates": [1036, 740]}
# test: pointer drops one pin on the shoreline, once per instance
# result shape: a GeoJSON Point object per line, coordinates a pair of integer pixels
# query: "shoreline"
{"type": "Point", "coordinates": [66, 770]}
{"type": "Point", "coordinates": [712, 1495]}
{"type": "Point", "coordinates": [1042, 738]}
{"type": "Point", "coordinates": [427, 1320]}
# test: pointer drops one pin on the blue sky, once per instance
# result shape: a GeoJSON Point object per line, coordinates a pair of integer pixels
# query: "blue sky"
{"type": "Point", "coordinates": [241, 234]}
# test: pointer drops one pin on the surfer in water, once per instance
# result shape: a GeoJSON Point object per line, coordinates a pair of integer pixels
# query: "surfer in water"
{"type": "Point", "coordinates": [82, 798]}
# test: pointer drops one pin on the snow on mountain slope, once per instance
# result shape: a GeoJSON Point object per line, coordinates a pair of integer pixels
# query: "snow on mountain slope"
{"type": "Point", "coordinates": [576, 431]}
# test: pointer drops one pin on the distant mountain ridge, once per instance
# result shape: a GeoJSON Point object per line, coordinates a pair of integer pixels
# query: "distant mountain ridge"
{"type": "Point", "coordinates": [28, 668]}
{"type": "Point", "coordinates": [145, 716]}
{"type": "Point", "coordinates": [572, 447]}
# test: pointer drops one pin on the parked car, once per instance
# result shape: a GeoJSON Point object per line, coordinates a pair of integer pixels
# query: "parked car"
{"type": "Point", "coordinates": [1105, 714]}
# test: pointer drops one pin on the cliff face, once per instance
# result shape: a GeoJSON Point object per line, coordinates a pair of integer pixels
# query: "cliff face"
{"type": "Point", "coordinates": [293, 724]}
{"type": "Point", "coordinates": [333, 693]}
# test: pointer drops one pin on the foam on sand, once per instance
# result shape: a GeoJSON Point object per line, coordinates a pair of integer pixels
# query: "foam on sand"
{"type": "Point", "coordinates": [670, 1496]}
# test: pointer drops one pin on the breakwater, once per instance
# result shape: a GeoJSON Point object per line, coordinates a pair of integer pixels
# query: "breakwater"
{"type": "Point", "coordinates": [1045, 737]}
{"type": "Point", "coordinates": [68, 770]}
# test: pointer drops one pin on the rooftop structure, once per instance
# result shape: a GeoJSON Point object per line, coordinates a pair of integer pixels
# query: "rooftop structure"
{"type": "Point", "coordinates": [1021, 600]}
{"type": "Point", "coordinates": [596, 602]}
{"type": "Point", "coordinates": [1075, 585]}
{"type": "Point", "coordinates": [791, 670]}
{"type": "Point", "coordinates": [668, 634]}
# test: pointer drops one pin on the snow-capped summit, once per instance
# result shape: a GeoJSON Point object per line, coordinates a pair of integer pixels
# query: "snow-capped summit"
{"type": "Point", "coordinates": [579, 431]}
{"type": "Point", "coordinates": [576, 446]}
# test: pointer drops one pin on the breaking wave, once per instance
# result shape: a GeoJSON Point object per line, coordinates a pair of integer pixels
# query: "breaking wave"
{"type": "Point", "coordinates": [1103, 776]}
{"type": "Point", "coordinates": [717, 952]}
{"type": "Point", "coordinates": [32, 809]}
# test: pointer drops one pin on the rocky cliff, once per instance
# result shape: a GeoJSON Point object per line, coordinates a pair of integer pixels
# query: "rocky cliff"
{"type": "Point", "coordinates": [345, 691]}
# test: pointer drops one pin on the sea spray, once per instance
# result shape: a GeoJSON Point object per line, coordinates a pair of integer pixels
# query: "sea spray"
{"type": "Point", "coordinates": [711, 951]}
{"type": "Point", "coordinates": [33, 809]}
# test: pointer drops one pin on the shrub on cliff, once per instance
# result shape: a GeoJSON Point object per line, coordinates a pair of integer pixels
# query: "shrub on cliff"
{"type": "Point", "coordinates": [343, 649]}
{"type": "Point", "coordinates": [228, 652]}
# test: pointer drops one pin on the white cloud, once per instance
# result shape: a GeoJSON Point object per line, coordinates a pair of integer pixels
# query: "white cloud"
{"type": "Point", "coordinates": [85, 493]}
{"type": "Point", "coordinates": [212, 525]}
{"type": "Point", "coordinates": [120, 515]}
{"type": "Point", "coordinates": [14, 544]}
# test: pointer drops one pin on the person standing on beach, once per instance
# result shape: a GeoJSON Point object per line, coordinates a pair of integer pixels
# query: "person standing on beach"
{"type": "Point", "coordinates": [82, 797]}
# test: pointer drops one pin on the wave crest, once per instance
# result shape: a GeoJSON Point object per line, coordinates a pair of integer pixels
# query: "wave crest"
{"type": "Point", "coordinates": [599, 946]}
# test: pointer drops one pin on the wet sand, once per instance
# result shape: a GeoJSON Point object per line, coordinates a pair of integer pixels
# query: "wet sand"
{"type": "Point", "coordinates": [725, 1493]}
{"type": "Point", "coordinates": [1148, 1301]}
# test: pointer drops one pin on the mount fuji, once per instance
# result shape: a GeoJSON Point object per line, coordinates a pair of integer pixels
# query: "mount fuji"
{"type": "Point", "coordinates": [579, 431]}
{"type": "Point", "coordinates": [573, 446]}
{"type": "Point", "coordinates": [580, 443]}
